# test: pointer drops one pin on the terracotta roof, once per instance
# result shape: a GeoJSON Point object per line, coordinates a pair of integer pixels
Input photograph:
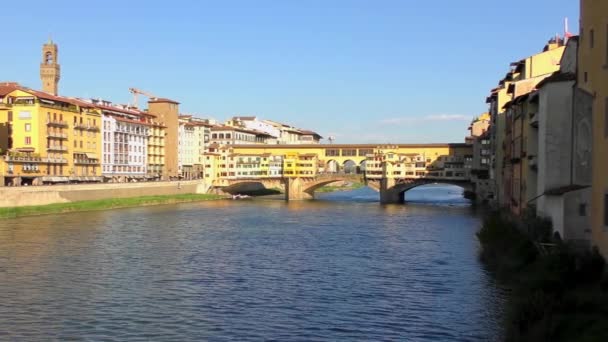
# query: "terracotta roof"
{"type": "Point", "coordinates": [557, 77]}
{"type": "Point", "coordinates": [7, 87]}
{"type": "Point", "coordinates": [120, 110]}
{"type": "Point", "coordinates": [132, 121]}
{"type": "Point", "coordinates": [307, 132]}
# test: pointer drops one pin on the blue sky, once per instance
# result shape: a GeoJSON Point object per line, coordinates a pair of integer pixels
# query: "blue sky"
{"type": "Point", "coordinates": [400, 71]}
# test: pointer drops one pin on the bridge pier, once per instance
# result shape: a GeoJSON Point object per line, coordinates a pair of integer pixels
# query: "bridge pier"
{"type": "Point", "coordinates": [388, 195]}
{"type": "Point", "coordinates": [294, 190]}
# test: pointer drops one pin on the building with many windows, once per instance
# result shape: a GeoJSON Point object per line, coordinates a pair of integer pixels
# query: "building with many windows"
{"type": "Point", "coordinates": [593, 81]}
{"type": "Point", "coordinates": [125, 134]}
{"type": "Point", "coordinates": [47, 138]}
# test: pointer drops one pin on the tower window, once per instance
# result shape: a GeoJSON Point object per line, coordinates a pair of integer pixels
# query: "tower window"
{"type": "Point", "coordinates": [48, 58]}
{"type": "Point", "coordinates": [591, 38]}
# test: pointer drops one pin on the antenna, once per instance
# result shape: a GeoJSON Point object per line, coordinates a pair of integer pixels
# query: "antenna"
{"type": "Point", "coordinates": [331, 139]}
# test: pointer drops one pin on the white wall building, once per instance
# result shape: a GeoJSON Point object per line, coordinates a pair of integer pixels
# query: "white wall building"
{"type": "Point", "coordinates": [124, 142]}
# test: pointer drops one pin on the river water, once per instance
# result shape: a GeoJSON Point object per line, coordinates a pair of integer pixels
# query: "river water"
{"type": "Point", "coordinates": [340, 268]}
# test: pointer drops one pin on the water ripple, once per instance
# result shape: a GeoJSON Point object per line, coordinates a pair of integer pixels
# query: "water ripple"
{"type": "Point", "coordinates": [337, 269]}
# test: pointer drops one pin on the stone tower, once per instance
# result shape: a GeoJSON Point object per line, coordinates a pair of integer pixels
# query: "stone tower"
{"type": "Point", "coordinates": [49, 68]}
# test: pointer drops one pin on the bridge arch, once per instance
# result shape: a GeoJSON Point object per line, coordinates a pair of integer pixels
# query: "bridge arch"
{"type": "Point", "coordinates": [302, 188]}
{"type": "Point", "coordinates": [251, 185]}
{"type": "Point", "coordinates": [332, 166]}
{"type": "Point", "coordinates": [349, 166]}
{"type": "Point", "coordinates": [396, 193]}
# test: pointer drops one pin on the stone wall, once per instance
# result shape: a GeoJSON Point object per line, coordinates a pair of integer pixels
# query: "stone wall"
{"type": "Point", "coordinates": [41, 195]}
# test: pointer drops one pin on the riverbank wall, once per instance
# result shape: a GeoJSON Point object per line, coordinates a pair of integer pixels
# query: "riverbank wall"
{"type": "Point", "coordinates": [51, 194]}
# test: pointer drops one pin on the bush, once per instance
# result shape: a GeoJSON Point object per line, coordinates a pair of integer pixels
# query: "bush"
{"type": "Point", "coordinates": [558, 296]}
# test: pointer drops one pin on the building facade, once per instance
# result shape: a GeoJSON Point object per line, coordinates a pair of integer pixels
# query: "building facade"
{"type": "Point", "coordinates": [592, 80]}
{"type": "Point", "coordinates": [49, 139]}
{"type": "Point", "coordinates": [125, 143]}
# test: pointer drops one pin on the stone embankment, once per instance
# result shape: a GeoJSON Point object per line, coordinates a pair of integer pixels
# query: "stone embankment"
{"type": "Point", "coordinates": [42, 195]}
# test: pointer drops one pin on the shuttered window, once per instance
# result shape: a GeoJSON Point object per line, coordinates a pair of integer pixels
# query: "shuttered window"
{"type": "Point", "coordinates": [605, 210]}
{"type": "Point", "coordinates": [606, 118]}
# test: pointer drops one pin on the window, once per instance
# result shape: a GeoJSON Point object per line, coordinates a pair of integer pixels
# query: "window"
{"type": "Point", "coordinates": [332, 153]}
{"type": "Point", "coordinates": [25, 115]}
{"type": "Point", "coordinates": [28, 140]}
{"type": "Point", "coordinates": [80, 143]}
{"type": "Point", "coordinates": [591, 38]}
{"type": "Point", "coordinates": [365, 151]}
{"type": "Point", "coordinates": [606, 61]}
{"type": "Point", "coordinates": [585, 77]}
{"type": "Point", "coordinates": [582, 209]}
{"type": "Point", "coordinates": [606, 210]}
{"type": "Point", "coordinates": [10, 116]}
{"type": "Point", "coordinates": [606, 118]}
{"type": "Point", "coordinates": [28, 127]}
{"type": "Point", "coordinates": [349, 152]}
{"type": "Point", "coordinates": [75, 143]}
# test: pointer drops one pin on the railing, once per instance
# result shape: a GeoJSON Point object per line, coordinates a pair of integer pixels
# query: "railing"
{"type": "Point", "coordinates": [32, 159]}
{"type": "Point", "coordinates": [56, 148]}
{"type": "Point", "coordinates": [57, 135]}
{"type": "Point", "coordinates": [54, 160]}
{"type": "Point", "coordinates": [59, 123]}
{"type": "Point", "coordinates": [86, 162]}
{"type": "Point", "coordinates": [534, 119]}
{"type": "Point", "coordinates": [30, 171]}
{"type": "Point", "coordinates": [87, 127]}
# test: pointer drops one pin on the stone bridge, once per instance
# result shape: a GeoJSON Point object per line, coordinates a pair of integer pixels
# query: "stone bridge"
{"type": "Point", "coordinates": [296, 188]}
{"type": "Point", "coordinates": [391, 190]}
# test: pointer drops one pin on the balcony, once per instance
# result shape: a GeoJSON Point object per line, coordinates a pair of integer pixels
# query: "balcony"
{"type": "Point", "coordinates": [54, 160]}
{"type": "Point", "coordinates": [532, 162]}
{"type": "Point", "coordinates": [57, 148]}
{"type": "Point", "coordinates": [534, 119]}
{"type": "Point", "coordinates": [85, 162]}
{"type": "Point", "coordinates": [30, 171]}
{"type": "Point", "coordinates": [86, 127]}
{"type": "Point", "coordinates": [22, 158]}
{"type": "Point", "coordinates": [56, 135]}
{"type": "Point", "coordinates": [57, 123]}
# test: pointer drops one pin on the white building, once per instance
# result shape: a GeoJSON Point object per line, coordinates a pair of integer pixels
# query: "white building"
{"type": "Point", "coordinates": [124, 142]}
{"type": "Point", "coordinates": [564, 151]}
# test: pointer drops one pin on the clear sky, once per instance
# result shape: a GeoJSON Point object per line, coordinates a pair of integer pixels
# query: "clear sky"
{"type": "Point", "coordinates": [367, 71]}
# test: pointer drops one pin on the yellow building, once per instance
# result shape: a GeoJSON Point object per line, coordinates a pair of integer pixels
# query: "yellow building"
{"type": "Point", "coordinates": [525, 73]}
{"type": "Point", "coordinates": [593, 78]}
{"type": "Point", "coordinates": [52, 139]}
{"type": "Point", "coordinates": [297, 164]}
{"type": "Point", "coordinates": [156, 148]}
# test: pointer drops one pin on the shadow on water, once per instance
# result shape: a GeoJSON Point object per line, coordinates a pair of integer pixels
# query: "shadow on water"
{"type": "Point", "coordinates": [432, 194]}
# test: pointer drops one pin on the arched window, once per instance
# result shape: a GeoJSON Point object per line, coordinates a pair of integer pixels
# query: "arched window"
{"type": "Point", "coordinates": [48, 58]}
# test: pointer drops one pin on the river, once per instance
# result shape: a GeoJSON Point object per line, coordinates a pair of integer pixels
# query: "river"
{"type": "Point", "coordinates": [340, 268]}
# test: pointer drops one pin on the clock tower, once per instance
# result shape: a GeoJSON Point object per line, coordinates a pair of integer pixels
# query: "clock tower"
{"type": "Point", "coordinates": [49, 68]}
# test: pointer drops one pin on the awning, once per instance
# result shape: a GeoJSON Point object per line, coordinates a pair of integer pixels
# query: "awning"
{"type": "Point", "coordinates": [55, 179]}
{"type": "Point", "coordinates": [91, 155]}
{"type": "Point", "coordinates": [25, 149]}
